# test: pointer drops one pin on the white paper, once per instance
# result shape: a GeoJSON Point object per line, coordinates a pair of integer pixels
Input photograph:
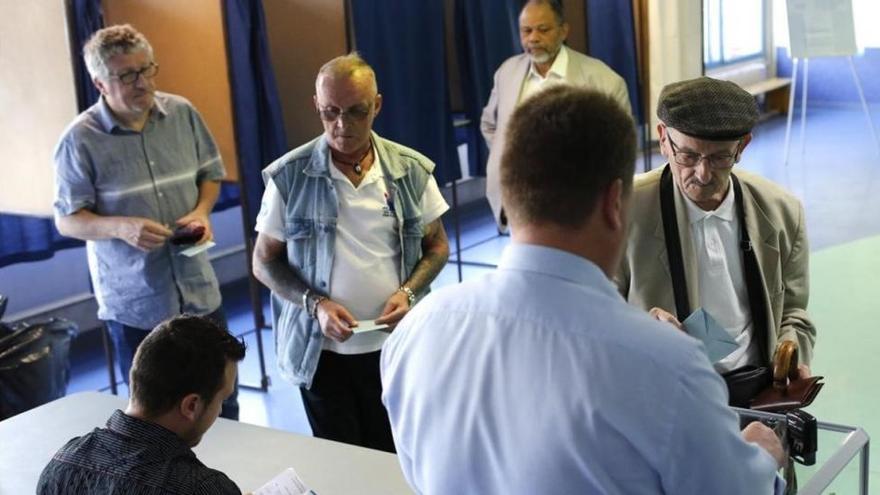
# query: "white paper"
{"type": "Point", "coordinates": [286, 483]}
{"type": "Point", "coordinates": [821, 28]}
{"type": "Point", "coordinates": [368, 326]}
{"type": "Point", "coordinates": [194, 250]}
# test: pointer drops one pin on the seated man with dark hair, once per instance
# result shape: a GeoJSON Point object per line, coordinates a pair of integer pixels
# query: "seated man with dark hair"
{"type": "Point", "coordinates": [181, 374]}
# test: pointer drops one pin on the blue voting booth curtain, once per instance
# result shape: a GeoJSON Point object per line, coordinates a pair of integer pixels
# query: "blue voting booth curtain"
{"type": "Point", "coordinates": [612, 39]}
{"type": "Point", "coordinates": [259, 126]}
{"type": "Point", "coordinates": [86, 17]}
{"type": "Point", "coordinates": [487, 33]}
{"type": "Point", "coordinates": [403, 40]}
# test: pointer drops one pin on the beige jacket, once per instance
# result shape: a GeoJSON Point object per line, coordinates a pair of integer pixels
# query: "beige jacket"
{"type": "Point", "coordinates": [775, 222]}
{"type": "Point", "coordinates": [509, 79]}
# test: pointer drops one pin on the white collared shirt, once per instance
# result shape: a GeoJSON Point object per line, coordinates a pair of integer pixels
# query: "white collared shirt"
{"type": "Point", "coordinates": [722, 288]}
{"type": "Point", "coordinates": [535, 83]}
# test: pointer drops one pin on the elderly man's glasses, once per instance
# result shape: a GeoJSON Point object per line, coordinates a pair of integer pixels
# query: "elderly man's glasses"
{"type": "Point", "coordinates": [331, 113]}
{"type": "Point", "coordinates": [692, 159]}
{"type": "Point", "coordinates": [131, 76]}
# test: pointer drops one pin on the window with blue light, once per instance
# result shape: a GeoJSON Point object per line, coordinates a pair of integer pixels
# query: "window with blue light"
{"type": "Point", "coordinates": [733, 31]}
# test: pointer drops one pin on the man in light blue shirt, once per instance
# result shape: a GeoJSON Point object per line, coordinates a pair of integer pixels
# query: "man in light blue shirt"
{"type": "Point", "coordinates": [539, 378]}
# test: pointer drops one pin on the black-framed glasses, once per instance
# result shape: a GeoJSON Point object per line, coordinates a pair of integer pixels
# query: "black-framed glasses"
{"type": "Point", "coordinates": [692, 159]}
{"type": "Point", "coordinates": [331, 113]}
{"type": "Point", "coordinates": [131, 76]}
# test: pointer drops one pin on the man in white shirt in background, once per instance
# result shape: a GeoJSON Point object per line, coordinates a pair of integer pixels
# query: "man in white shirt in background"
{"type": "Point", "coordinates": [349, 230]}
{"type": "Point", "coordinates": [539, 378]}
{"type": "Point", "coordinates": [545, 61]}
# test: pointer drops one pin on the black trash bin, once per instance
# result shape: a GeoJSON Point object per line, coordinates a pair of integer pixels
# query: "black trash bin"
{"type": "Point", "coordinates": [34, 363]}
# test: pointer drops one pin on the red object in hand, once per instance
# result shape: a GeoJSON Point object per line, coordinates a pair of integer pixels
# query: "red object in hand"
{"type": "Point", "coordinates": [187, 235]}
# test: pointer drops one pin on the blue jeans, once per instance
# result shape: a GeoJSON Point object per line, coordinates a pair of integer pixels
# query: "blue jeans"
{"type": "Point", "coordinates": [126, 340]}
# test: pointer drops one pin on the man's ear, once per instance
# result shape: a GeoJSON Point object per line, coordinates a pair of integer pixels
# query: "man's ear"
{"type": "Point", "coordinates": [565, 29]}
{"type": "Point", "coordinates": [661, 136]}
{"type": "Point", "coordinates": [377, 105]}
{"type": "Point", "coordinates": [613, 205]}
{"type": "Point", "coordinates": [191, 406]}
{"type": "Point", "coordinates": [100, 85]}
{"type": "Point", "coordinates": [315, 101]}
{"type": "Point", "coordinates": [745, 142]}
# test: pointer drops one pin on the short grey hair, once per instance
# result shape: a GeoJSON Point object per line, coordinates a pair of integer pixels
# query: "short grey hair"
{"type": "Point", "coordinates": [110, 41]}
{"type": "Point", "coordinates": [348, 67]}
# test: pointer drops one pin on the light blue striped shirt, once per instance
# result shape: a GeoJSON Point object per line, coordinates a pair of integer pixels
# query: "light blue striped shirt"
{"type": "Point", "coordinates": [105, 168]}
{"type": "Point", "coordinates": [539, 378]}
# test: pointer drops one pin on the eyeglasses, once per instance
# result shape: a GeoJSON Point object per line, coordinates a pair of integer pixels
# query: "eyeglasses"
{"type": "Point", "coordinates": [131, 76]}
{"type": "Point", "coordinates": [719, 161]}
{"type": "Point", "coordinates": [331, 113]}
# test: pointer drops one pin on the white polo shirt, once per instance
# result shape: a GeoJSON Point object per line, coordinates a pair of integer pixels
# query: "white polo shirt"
{"type": "Point", "coordinates": [366, 261]}
{"type": "Point", "coordinates": [723, 291]}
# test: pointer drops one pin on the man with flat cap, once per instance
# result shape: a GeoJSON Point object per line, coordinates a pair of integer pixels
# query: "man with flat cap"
{"type": "Point", "coordinates": [702, 236]}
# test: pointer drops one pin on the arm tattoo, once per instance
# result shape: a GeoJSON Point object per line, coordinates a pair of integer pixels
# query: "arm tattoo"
{"type": "Point", "coordinates": [271, 268]}
{"type": "Point", "coordinates": [435, 252]}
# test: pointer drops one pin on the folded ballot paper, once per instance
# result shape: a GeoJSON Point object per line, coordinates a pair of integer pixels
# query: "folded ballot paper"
{"type": "Point", "coordinates": [715, 338]}
{"type": "Point", "coordinates": [368, 326]}
{"type": "Point", "coordinates": [286, 483]}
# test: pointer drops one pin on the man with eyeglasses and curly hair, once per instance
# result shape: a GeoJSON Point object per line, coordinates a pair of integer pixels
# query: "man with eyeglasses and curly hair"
{"type": "Point", "coordinates": [129, 171]}
{"type": "Point", "coordinates": [349, 230]}
{"type": "Point", "coordinates": [705, 234]}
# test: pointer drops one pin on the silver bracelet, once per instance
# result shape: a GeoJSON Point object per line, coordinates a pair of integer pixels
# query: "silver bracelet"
{"type": "Point", "coordinates": [410, 296]}
{"type": "Point", "coordinates": [314, 312]}
{"type": "Point", "coordinates": [305, 300]}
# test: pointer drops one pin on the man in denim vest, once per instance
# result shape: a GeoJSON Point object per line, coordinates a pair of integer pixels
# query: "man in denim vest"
{"type": "Point", "coordinates": [349, 236]}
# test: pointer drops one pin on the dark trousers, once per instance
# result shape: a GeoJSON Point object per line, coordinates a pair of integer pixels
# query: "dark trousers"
{"type": "Point", "coordinates": [126, 340]}
{"type": "Point", "coordinates": [345, 401]}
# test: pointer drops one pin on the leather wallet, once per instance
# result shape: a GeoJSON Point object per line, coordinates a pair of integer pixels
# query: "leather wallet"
{"type": "Point", "coordinates": [787, 392]}
{"type": "Point", "coordinates": [187, 235]}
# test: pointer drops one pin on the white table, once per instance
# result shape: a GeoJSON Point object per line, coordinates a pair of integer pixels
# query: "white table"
{"type": "Point", "coordinates": [249, 455]}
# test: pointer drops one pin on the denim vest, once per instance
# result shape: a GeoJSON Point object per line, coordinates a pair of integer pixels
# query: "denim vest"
{"type": "Point", "coordinates": [310, 213]}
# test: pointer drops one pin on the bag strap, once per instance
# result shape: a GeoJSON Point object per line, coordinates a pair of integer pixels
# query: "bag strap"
{"type": "Point", "coordinates": [752, 275]}
{"type": "Point", "coordinates": [673, 245]}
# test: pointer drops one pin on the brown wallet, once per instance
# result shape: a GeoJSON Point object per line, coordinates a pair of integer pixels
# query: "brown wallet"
{"type": "Point", "coordinates": [787, 392]}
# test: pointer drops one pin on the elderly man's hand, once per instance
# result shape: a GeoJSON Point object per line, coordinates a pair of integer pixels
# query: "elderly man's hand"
{"type": "Point", "coordinates": [335, 320]}
{"type": "Point", "coordinates": [663, 315]}
{"type": "Point", "coordinates": [760, 434]}
{"type": "Point", "coordinates": [395, 309]}
{"type": "Point", "coordinates": [804, 371]}
{"type": "Point", "coordinates": [142, 233]}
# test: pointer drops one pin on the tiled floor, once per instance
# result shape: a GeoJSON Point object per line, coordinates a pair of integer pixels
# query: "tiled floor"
{"type": "Point", "coordinates": [838, 179]}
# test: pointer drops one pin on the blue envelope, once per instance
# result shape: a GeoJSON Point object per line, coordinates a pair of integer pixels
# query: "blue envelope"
{"type": "Point", "coordinates": [717, 341]}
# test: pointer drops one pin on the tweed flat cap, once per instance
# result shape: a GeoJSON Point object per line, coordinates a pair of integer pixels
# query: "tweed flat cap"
{"type": "Point", "coordinates": [707, 108]}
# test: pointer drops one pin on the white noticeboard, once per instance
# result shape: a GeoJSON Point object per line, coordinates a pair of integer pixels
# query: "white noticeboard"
{"type": "Point", "coordinates": [821, 28]}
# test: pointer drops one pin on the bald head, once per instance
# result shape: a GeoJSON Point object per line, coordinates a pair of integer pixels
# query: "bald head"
{"type": "Point", "coordinates": [351, 68]}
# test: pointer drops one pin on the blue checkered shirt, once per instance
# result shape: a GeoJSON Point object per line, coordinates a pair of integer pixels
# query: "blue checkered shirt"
{"type": "Point", "coordinates": [110, 170]}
